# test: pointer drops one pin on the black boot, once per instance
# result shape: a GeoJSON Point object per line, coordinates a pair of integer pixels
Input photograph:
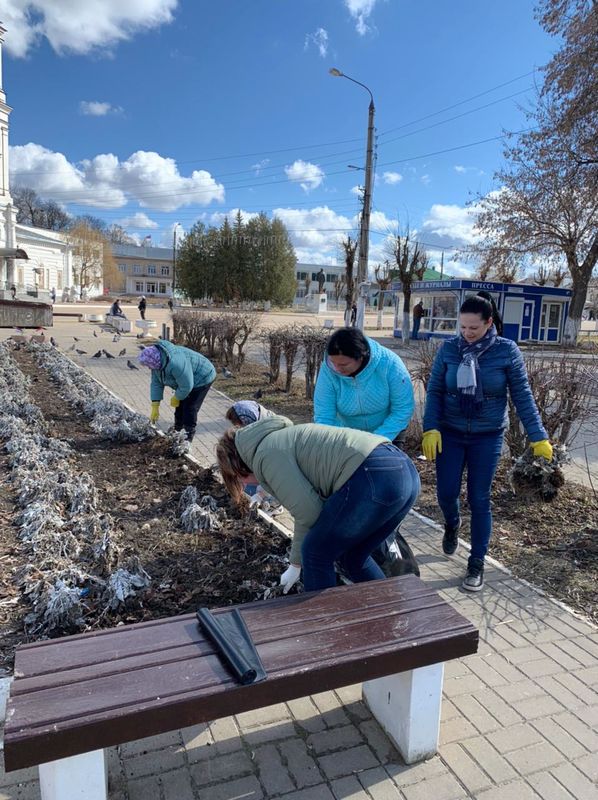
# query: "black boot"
{"type": "Point", "coordinates": [474, 577]}
{"type": "Point", "coordinates": [450, 540]}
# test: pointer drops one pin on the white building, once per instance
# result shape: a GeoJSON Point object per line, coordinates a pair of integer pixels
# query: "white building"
{"type": "Point", "coordinates": [308, 274]}
{"type": "Point", "coordinates": [33, 260]}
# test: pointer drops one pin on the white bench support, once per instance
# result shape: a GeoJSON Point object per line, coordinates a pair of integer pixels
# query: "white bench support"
{"type": "Point", "coordinates": [83, 777]}
{"type": "Point", "coordinates": [407, 706]}
{"type": "Point", "coordinates": [120, 323]}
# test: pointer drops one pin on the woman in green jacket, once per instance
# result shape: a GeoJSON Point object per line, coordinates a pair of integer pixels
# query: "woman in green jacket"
{"type": "Point", "coordinates": [346, 489]}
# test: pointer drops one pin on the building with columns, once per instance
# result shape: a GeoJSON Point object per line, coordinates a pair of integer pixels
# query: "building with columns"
{"type": "Point", "coordinates": [33, 260]}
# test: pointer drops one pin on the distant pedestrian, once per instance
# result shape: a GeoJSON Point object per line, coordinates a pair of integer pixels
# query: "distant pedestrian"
{"type": "Point", "coordinates": [187, 372]}
{"type": "Point", "coordinates": [170, 305]}
{"type": "Point", "coordinates": [53, 296]}
{"type": "Point", "coordinates": [353, 315]}
{"type": "Point", "coordinates": [142, 306]}
{"type": "Point", "coordinates": [13, 292]}
{"type": "Point", "coordinates": [116, 310]}
{"type": "Point", "coordinates": [418, 313]}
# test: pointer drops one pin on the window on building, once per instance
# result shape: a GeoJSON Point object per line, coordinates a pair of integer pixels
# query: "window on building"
{"type": "Point", "coordinates": [441, 312]}
{"type": "Point", "coordinates": [164, 270]}
{"type": "Point", "coordinates": [122, 268]}
{"type": "Point", "coordinates": [136, 269]}
{"type": "Point", "coordinates": [330, 277]}
{"type": "Point", "coordinates": [161, 288]}
{"type": "Point", "coordinates": [59, 279]}
{"type": "Point", "coordinates": [20, 276]}
{"type": "Point", "coordinates": [301, 276]}
{"type": "Point", "coordinates": [151, 270]}
{"type": "Point", "coordinates": [139, 286]}
{"type": "Point", "coordinates": [150, 287]}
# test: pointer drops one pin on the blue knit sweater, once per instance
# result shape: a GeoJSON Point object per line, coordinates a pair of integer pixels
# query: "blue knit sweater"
{"type": "Point", "coordinates": [379, 399]}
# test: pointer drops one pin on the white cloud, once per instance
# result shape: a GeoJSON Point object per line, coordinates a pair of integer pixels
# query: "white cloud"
{"type": "Point", "coordinates": [105, 182]}
{"type": "Point", "coordinates": [317, 229]}
{"type": "Point", "coordinates": [452, 224]}
{"type": "Point", "coordinates": [360, 11]}
{"type": "Point", "coordinates": [137, 220]}
{"type": "Point", "coordinates": [425, 179]}
{"type": "Point", "coordinates": [82, 26]}
{"type": "Point", "coordinates": [460, 168]}
{"type": "Point", "coordinates": [217, 218]}
{"type": "Point", "coordinates": [392, 178]}
{"type": "Point", "coordinates": [319, 39]}
{"type": "Point", "coordinates": [94, 108]}
{"type": "Point", "coordinates": [308, 176]}
{"type": "Point", "coordinates": [260, 165]}
{"type": "Point", "coordinates": [357, 191]}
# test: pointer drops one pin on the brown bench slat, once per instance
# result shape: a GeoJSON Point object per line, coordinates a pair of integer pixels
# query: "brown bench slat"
{"type": "Point", "coordinates": [114, 696]}
{"type": "Point", "coordinates": [147, 640]}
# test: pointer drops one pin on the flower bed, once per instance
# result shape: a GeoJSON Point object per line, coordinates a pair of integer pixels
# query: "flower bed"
{"type": "Point", "coordinates": [98, 525]}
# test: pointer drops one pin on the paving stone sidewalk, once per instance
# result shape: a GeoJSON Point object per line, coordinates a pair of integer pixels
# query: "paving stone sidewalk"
{"type": "Point", "coordinates": [519, 721]}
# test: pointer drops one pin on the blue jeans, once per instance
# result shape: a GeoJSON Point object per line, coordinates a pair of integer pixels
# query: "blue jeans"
{"type": "Point", "coordinates": [480, 452]}
{"type": "Point", "coordinates": [358, 517]}
{"type": "Point", "coordinates": [416, 324]}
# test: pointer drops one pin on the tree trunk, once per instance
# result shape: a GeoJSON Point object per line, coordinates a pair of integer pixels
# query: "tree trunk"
{"type": "Point", "coordinates": [580, 275]}
{"type": "Point", "coordinates": [406, 329]}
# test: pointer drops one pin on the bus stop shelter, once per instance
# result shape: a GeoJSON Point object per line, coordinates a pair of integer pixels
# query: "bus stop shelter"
{"type": "Point", "coordinates": [529, 313]}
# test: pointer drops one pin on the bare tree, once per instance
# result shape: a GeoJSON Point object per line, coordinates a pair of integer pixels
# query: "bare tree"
{"type": "Point", "coordinates": [338, 288]}
{"type": "Point", "coordinates": [507, 271]}
{"type": "Point", "coordinates": [383, 279]}
{"type": "Point", "coordinates": [349, 248]}
{"type": "Point", "coordinates": [541, 276]}
{"type": "Point", "coordinates": [483, 270]}
{"type": "Point", "coordinates": [93, 261]}
{"type": "Point", "coordinates": [411, 263]}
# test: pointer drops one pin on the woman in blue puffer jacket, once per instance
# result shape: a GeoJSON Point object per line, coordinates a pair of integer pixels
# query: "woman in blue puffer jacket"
{"type": "Point", "coordinates": [464, 423]}
{"type": "Point", "coordinates": [363, 385]}
{"type": "Point", "coordinates": [187, 372]}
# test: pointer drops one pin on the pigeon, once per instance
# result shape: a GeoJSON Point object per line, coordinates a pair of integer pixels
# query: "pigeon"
{"type": "Point", "coordinates": [107, 354]}
{"type": "Point", "coordinates": [53, 342]}
{"type": "Point", "coordinates": [95, 333]}
{"type": "Point", "coordinates": [130, 364]}
{"type": "Point", "coordinates": [71, 348]}
{"type": "Point", "coordinates": [95, 355]}
{"type": "Point", "coordinates": [227, 373]}
{"type": "Point", "coordinates": [75, 338]}
{"type": "Point", "coordinates": [123, 351]}
{"type": "Point", "coordinates": [258, 394]}
{"type": "Point", "coordinates": [115, 338]}
{"type": "Point", "coordinates": [81, 352]}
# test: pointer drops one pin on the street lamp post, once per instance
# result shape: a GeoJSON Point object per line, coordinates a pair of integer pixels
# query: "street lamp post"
{"type": "Point", "coordinates": [364, 233]}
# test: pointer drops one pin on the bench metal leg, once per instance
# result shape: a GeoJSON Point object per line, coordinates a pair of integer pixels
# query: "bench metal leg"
{"type": "Point", "coordinates": [407, 706]}
{"type": "Point", "coordinates": [81, 777]}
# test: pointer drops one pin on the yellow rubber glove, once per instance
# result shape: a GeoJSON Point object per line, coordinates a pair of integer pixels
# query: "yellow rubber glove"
{"type": "Point", "coordinates": [432, 444]}
{"type": "Point", "coordinates": [155, 413]}
{"type": "Point", "coordinates": [175, 402]}
{"type": "Point", "coordinates": [542, 449]}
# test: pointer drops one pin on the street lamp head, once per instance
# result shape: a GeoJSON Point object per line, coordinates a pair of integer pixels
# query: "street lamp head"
{"type": "Point", "coordinates": [336, 72]}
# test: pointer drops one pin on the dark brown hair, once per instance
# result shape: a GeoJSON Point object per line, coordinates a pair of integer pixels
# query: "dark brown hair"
{"type": "Point", "coordinates": [231, 416]}
{"type": "Point", "coordinates": [232, 466]}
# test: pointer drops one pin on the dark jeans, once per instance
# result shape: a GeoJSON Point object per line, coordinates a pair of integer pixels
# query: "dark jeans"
{"type": "Point", "coordinates": [142, 313]}
{"type": "Point", "coordinates": [358, 517]}
{"type": "Point", "coordinates": [416, 323]}
{"type": "Point", "coordinates": [185, 414]}
{"type": "Point", "coordinates": [480, 453]}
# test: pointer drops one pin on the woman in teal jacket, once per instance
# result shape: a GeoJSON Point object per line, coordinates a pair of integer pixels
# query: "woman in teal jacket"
{"type": "Point", "coordinates": [346, 490]}
{"type": "Point", "coordinates": [187, 372]}
{"type": "Point", "coordinates": [363, 385]}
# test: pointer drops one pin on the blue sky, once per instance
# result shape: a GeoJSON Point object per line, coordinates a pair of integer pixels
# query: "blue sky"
{"type": "Point", "coordinates": [163, 111]}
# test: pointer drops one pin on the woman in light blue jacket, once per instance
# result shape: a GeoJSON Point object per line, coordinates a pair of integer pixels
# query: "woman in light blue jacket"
{"type": "Point", "coordinates": [363, 385]}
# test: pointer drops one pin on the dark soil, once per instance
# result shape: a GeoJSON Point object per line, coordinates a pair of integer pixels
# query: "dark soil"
{"type": "Point", "coordinates": [139, 485]}
{"type": "Point", "coordinates": [554, 545]}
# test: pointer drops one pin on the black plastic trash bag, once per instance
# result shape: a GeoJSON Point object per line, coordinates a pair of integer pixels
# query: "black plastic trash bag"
{"type": "Point", "coordinates": [234, 644]}
{"type": "Point", "coordinates": [395, 557]}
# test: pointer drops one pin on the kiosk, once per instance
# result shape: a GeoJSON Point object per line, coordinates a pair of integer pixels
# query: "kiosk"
{"type": "Point", "coordinates": [529, 313]}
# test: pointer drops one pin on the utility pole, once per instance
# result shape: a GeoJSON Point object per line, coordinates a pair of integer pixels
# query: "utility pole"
{"type": "Point", "coordinates": [174, 259]}
{"type": "Point", "coordinates": [364, 230]}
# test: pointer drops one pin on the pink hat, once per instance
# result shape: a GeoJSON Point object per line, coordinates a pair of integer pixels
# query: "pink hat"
{"type": "Point", "coordinates": [150, 357]}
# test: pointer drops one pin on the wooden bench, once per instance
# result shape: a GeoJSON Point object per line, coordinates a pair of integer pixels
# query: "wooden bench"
{"type": "Point", "coordinates": [74, 696]}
